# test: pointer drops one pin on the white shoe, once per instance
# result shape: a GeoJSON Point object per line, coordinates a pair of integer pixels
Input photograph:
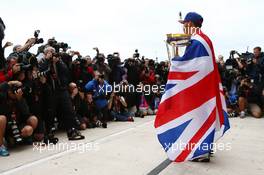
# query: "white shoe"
{"type": "Point", "coordinates": [242, 114]}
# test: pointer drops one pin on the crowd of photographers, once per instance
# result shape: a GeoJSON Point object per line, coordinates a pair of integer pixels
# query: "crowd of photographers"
{"type": "Point", "coordinates": [243, 80]}
{"type": "Point", "coordinates": [56, 88]}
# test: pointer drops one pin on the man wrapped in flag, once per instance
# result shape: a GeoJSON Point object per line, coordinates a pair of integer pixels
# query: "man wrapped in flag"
{"type": "Point", "coordinates": [192, 113]}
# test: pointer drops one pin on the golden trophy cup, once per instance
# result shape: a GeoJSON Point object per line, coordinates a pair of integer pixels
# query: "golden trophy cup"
{"type": "Point", "coordinates": [175, 41]}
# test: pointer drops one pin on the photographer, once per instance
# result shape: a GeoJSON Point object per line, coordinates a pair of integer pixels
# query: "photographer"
{"type": "Point", "coordinates": [7, 74]}
{"type": "Point", "coordinates": [117, 72]}
{"type": "Point", "coordinates": [34, 98]}
{"type": "Point", "coordinates": [21, 123]}
{"type": "Point", "coordinates": [232, 68]}
{"type": "Point", "coordinates": [3, 120]}
{"type": "Point", "coordinates": [91, 112]}
{"type": "Point", "coordinates": [100, 88]}
{"type": "Point", "coordinates": [162, 71]}
{"type": "Point", "coordinates": [19, 48]}
{"type": "Point", "coordinates": [252, 70]}
{"type": "Point", "coordinates": [21, 54]}
{"type": "Point", "coordinates": [133, 79]}
{"type": "Point", "coordinates": [118, 108]}
{"type": "Point", "coordinates": [259, 56]}
{"type": "Point", "coordinates": [132, 67]}
{"type": "Point", "coordinates": [147, 74]}
{"type": "Point", "coordinates": [101, 66]}
{"type": "Point", "coordinates": [82, 71]}
{"type": "Point", "coordinates": [57, 98]}
{"type": "Point", "coordinates": [20, 59]}
{"type": "Point", "coordinates": [249, 97]}
{"type": "Point", "coordinates": [78, 106]}
{"type": "Point", "coordinates": [147, 77]}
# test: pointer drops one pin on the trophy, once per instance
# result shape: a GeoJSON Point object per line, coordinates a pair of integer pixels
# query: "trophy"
{"type": "Point", "coordinates": [175, 41]}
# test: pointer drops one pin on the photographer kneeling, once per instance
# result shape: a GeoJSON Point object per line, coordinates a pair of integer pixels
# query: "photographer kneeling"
{"type": "Point", "coordinates": [21, 124]}
{"type": "Point", "coordinates": [249, 97]}
{"type": "Point", "coordinates": [100, 88]}
{"type": "Point", "coordinates": [118, 108]}
{"type": "Point", "coordinates": [3, 120]}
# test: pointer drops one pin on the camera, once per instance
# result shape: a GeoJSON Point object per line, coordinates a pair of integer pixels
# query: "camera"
{"type": "Point", "coordinates": [136, 54]}
{"type": "Point", "coordinates": [232, 53]}
{"type": "Point", "coordinates": [25, 89]}
{"type": "Point", "coordinates": [101, 76]}
{"type": "Point", "coordinates": [42, 74]}
{"type": "Point", "coordinates": [245, 57]}
{"type": "Point", "coordinates": [22, 57]}
{"type": "Point", "coordinates": [36, 35]}
{"type": "Point", "coordinates": [25, 67]}
{"type": "Point", "coordinates": [57, 45]}
{"type": "Point", "coordinates": [62, 45]}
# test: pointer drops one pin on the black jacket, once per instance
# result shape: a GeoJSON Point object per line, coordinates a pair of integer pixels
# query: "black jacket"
{"type": "Point", "coordinates": [58, 76]}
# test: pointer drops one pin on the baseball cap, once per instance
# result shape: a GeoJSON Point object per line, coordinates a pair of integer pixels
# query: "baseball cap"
{"type": "Point", "coordinates": [192, 17]}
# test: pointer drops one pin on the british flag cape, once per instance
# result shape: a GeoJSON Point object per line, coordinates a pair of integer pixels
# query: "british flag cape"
{"type": "Point", "coordinates": [192, 113]}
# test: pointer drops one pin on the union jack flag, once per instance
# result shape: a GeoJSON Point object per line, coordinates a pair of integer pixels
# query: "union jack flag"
{"type": "Point", "coordinates": [192, 112]}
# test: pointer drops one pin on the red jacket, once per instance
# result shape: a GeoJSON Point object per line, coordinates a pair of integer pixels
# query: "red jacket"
{"type": "Point", "coordinates": [5, 76]}
{"type": "Point", "coordinates": [150, 79]}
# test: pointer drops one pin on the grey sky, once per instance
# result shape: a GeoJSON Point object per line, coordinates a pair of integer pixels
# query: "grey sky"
{"type": "Point", "coordinates": [123, 26]}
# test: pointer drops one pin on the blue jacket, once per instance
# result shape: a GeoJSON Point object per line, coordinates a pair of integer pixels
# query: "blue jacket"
{"type": "Point", "coordinates": [99, 93]}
